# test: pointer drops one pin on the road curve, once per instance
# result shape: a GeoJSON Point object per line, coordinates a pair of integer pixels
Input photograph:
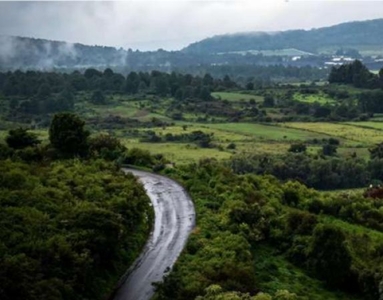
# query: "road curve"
{"type": "Point", "coordinates": [174, 220]}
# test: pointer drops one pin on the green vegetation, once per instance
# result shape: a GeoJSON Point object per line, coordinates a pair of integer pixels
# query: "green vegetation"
{"type": "Point", "coordinates": [69, 228]}
{"type": "Point", "coordinates": [352, 34]}
{"type": "Point", "coordinates": [319, 98]}
{"type": "Point", "coordinates": [237, 97]}
{"type": "Point", "coordinates": [265, 132]}
{"type": "Point", "coordinates": [301, 240]}
{"type": "Point", "coordinates": [351, 134]}
{"type": "Point", "coordinates": [248, 155]}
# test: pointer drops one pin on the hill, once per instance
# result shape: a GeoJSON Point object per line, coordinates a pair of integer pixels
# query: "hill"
{"type": "Point", "coordinates": [241, 55]}
{"type": "Point", "coordinates": [23, 52]}
{"type": "Point", "coordinates": [359, 35]}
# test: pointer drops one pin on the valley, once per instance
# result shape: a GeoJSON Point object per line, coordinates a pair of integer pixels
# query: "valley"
{"type": "Point", "coordinates": [244, 166]}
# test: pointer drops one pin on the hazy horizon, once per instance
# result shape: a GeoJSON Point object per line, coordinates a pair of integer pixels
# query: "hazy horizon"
{"type": "Point", "coordinates": [171, 25]}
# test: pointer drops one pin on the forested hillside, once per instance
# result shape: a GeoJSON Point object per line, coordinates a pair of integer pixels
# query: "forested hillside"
{"type": "Point", "coordinates": [353, 34]}
{"type": "Point", "coordinates": [17, 53]}
{"type": "Point", "coordinates": [220, 55]}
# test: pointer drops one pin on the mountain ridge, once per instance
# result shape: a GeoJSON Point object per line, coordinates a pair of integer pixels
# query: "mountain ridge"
{"type": "Point", "coordinates": [308, 40]}
{"type": "Point", "coordinates": [221, 50]}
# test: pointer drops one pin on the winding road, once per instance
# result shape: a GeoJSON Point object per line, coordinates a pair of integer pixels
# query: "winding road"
{"type": "Point", "coordinates": [174, 220]}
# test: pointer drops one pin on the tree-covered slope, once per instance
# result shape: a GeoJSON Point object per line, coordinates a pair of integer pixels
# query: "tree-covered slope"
{"type": "Point", "coordinates": [68, 228]}
{"type": "Point", "coordinates": [23, 52]}
{"type": "Point", "coordinates": [30, 53]}
{"type": "Point", "coordinates": [367, 33]}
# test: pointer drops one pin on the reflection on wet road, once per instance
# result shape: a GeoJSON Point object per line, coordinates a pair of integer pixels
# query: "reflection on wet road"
{"type": "Point", "coordinates": [174, 220]}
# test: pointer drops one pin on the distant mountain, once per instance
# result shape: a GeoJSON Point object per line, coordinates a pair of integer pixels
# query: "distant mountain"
{"type": "Point", "coordinates": [226, 54]}
{"type": "Point", "coordinates": [22, 52]}
{"type": "Point", "coordinates": [359, 35]}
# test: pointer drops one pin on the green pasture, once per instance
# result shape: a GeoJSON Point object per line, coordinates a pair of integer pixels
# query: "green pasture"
{"type": "Point", "coordinates": [267, 132]}
{"type": "Point", "coordinates": [123, 109]}
{"type": "Point", "coordinates": [250, 138]}
{"type": "Point", "coordinates": [218, 135]}
{"type": "Point", "coordinates": [312, 98]}
{"type": "Point", "coordinates": [361, 152]}
{"type": "Point", "coordinates": [374, 125]}
{"type": "Point", "coordinates": [354, 135]}
{"type": "Point", "coordinates": [236, 97]}
{"type": "Point", "coordinates": [179, 153]}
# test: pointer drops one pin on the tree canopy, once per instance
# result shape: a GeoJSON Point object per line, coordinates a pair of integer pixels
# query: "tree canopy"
{"type": "Point", "coordinates": [68, 135]}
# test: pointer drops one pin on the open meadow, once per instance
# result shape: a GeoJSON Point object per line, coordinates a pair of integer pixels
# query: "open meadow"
{"type": "Point", "coordinates": [351, 134]}
{"type": "Point", "coordinates": [237, 97]}
{"type": "Point", "coordinates": [314, 98]}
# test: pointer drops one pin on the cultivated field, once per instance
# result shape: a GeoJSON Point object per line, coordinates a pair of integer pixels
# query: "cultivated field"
{"type": "Point", "coordinates": [353, 135]}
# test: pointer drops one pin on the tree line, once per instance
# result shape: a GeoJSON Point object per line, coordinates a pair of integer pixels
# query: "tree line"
{"type": "Point", "coordinates": [356, 74]}
{"type": "Point", "coordinates": [325, 172]}
{"type": "Point", "coordinates": [33, 93]}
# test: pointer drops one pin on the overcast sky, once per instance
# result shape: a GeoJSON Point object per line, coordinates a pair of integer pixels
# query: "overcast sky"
{"type": "Point", "coordinates": [171, 25]}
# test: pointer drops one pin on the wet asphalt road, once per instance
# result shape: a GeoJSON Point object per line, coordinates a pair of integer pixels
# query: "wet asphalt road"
{"type": "Point", "coordinates": [174, 220]}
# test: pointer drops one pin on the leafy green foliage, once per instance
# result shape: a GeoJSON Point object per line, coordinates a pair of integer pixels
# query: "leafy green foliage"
{"type": "Point", "coordinates": [329, 257]}
{"type": "Point", "coordinates": [20, 138]}
{"type": "Point", "coordinates": [215, 292]}
{"type": "Point", "coordinates": [98, 98]}
{"type": "Point", "coordinates": [217, 252]}
{"type": "Point", "coordinates": [376, 152]}
{"type": "Point", "coordinates": [106, 147]}
{"type": "Point", "coordinates": [318, 172]}
{"type": "Point", "coordinates": [329, 150]}
{"type": "Point", "coordinates": [67, 134]}
{"type": "Point", "coordinates": [356, 74]}
{"type": "Point", "coordinates": [68, 230]}
{"type": "Point", "coordinates": [301, 225]}
{"type": "Point", "coordinates": [297, 148]}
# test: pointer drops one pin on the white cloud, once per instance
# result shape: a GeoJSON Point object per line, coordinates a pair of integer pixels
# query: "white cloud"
{"type": "Point", "coordinates": [171, 24]}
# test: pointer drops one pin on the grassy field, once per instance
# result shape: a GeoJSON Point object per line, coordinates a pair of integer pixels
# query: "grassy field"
{"type": "Point", "coordinates": [355, 138]}
{"type": "Point", "coordinates": [251, 138]}
{"type": "Point", "coordinates": [218, 135]}
{"type": "Point", "coordinates": [236, 97]}
{"type": "Point", "coordinates": [353, 135]}
{"type": "Point", "coordinates": [373, 125]}
{"type": "Point", "coordinates": [133, 109]}
{"type": "Point", "coordinates": [267, 132]}
{"type": "Point", "coordinates": [249, 132]}
{"type": "Point", "coordinates": [248, 138]}
{"type": "Point", "coordinates": [319, 98]}
{"type": "Point", "coordinates": [180, 153]}
{"type": "Point", "coordinates": [274, 272]}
